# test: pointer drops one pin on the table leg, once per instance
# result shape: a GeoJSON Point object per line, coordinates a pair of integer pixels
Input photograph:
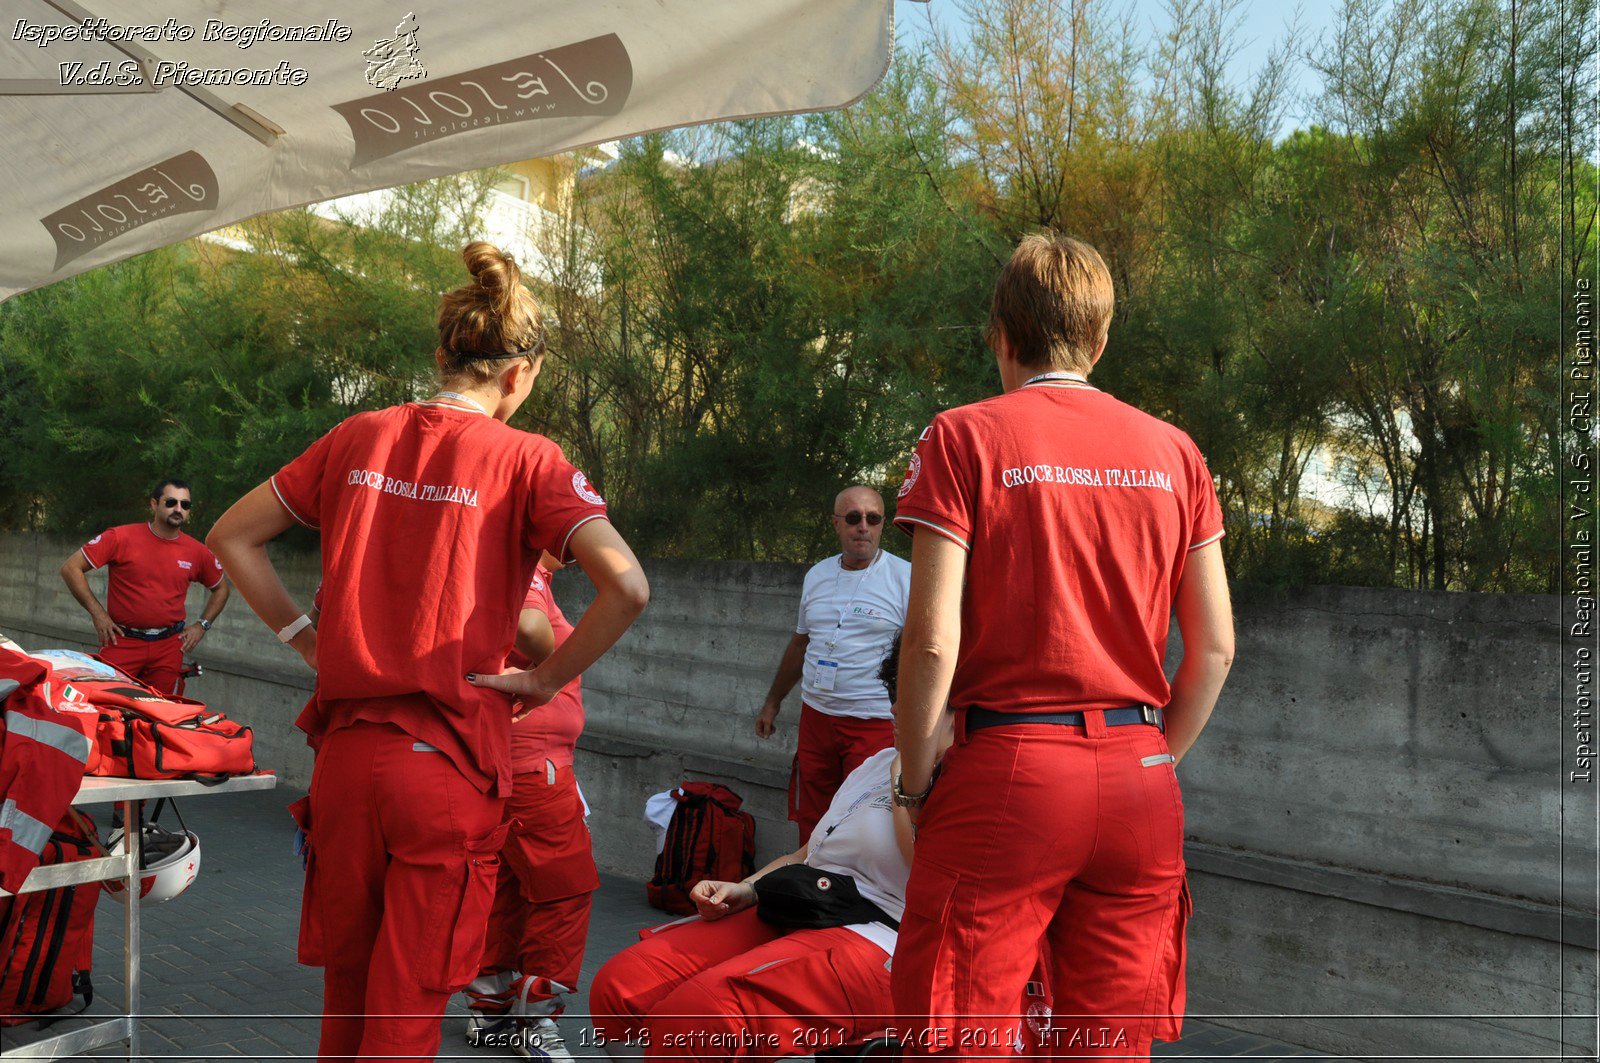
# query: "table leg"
{"type": "Point", "coordinates": [130, 957]}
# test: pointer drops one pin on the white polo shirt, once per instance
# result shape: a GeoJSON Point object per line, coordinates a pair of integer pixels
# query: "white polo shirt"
{"type": "Point", "coordinates": [852, 619]}
{"type": "Point", "coordinates": [856, 836]}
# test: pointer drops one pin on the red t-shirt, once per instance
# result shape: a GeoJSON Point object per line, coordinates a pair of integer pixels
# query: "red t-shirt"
{"type": "Point", "coordinates": [432, 517]}
{"type": "Point", "coordinates": [550, 732]}
{"type": "Point", "coordinates": [150, 576]}
{"type": "Point", "coordinates": [1077, 512]}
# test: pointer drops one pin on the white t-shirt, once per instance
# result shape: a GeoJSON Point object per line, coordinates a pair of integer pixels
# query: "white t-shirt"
{"type": "Point", "coordinates": [856, 837]}
{"type": "Point", "coordinates": [852, 619]}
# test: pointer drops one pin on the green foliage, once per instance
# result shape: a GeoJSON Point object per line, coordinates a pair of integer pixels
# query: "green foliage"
{"type": "Point", "coordinates": [1357, 320]}
{"type": "Point", "coordinates": [216, 364]}
{"type": "Point", "coordinates": [785, 305]}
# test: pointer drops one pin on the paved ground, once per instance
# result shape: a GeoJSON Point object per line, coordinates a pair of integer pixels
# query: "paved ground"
{"type": "Point", "coordinates": [220, 978]}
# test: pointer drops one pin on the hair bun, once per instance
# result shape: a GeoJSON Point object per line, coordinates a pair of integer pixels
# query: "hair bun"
{"type": "Point", "coordinates": [490, 317]}
{"type": "Point", "coordinates": [494, 270]}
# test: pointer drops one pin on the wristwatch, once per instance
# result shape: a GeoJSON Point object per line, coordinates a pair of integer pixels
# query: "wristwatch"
{"type": "Point", "coordinates": [205, 625]}
{"type": "Point", "coordinates": [905, 800]}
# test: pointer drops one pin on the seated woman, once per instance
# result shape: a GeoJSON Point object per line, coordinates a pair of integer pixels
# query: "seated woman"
{"type": "Point", "coordinates": [728, 985]}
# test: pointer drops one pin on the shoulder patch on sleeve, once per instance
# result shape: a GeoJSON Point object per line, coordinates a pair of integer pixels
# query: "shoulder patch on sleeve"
{"type": "Point", "coordinates": [581, 486]}
{"type": "Point", "coordinates": [912, 471]}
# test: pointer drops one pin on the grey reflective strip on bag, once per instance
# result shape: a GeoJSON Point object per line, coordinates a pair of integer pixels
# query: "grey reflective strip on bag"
{"type": "Point", "coordinates": [72, 742]}
{"type": "Point", "coordinates": [6, 687]}
{"type": "Point", "coordinates": [25, 830]}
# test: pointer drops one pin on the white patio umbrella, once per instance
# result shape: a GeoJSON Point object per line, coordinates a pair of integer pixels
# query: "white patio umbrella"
{"type": "Point", "coordinates": [139, 123]}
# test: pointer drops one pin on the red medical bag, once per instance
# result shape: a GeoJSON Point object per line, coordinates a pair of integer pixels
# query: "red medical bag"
{"type": "Point", "coordinates": [47, 945]}
{"type": "Point", "coordinates": [709, 836]}
{"type": "Point", "coordinates": [145, 735]}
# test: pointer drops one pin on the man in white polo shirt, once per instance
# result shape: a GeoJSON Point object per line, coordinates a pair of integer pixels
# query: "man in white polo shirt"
{"type": "Point", "coordinates": [852, 605]}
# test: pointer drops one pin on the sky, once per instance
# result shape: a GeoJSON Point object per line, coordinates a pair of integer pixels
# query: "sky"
{"type": "Point", "coordinates": [1261, 24]}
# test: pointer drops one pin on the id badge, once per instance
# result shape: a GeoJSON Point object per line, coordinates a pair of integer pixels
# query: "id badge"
{"type": "Point", "coordinates": [827, 672]}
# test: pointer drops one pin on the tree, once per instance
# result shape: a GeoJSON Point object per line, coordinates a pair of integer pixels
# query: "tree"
{"type": "Point", "coordinates": [219, 361]}
{"type": "Point", "coordinates": [763, 313]}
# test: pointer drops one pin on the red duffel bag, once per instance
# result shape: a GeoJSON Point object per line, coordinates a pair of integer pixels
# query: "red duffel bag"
{"type": "Point", "coordinates": [144, 735]}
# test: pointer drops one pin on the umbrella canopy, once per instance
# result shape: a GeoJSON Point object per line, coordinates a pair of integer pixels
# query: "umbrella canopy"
{"type": "Point", "coordinates": [142, 123]}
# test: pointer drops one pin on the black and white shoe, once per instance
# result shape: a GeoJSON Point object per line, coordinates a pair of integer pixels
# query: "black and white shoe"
{"type": "Point", "coordinates": [540, 1039]}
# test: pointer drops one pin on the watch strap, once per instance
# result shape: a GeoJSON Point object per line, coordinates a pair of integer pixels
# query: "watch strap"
{"type": "Point", "coordinates": [905, 800]}
{"type": "Point", "coordinates": [294, 627]}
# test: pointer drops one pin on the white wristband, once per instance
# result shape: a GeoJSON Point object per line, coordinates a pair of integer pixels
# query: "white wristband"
{"type": "Point", "coordinates": [294, 627]}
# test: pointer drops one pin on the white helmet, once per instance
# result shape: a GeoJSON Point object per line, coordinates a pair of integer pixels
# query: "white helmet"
{"type": "Point", "coordinates": [169, 861]}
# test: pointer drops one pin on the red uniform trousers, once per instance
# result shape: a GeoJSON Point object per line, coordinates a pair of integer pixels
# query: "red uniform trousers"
{"type": "Point", "coordinates": [158, 665]}
{"type": "Point", "coordinates": [737, 988]}
{"type": "Point", "coordinates": [540, 920]}
{"type": "Point", "coordinates": [404, 853]}
{"type": "Point", "coordinates": [830, 747]}
{"type": "Point", "coordinates": [1070, 836]}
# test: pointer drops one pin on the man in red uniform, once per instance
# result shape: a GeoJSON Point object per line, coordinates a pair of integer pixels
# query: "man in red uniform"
{"type": "Point", "coordinates": [141, 627]}
{"type": "Point", "coordinates": [533, 949]}
{"type": "Point", "coordinates": [1055, 530]}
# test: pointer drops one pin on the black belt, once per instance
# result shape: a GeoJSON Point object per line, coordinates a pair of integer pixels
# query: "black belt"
{"type": "Point", "coordinates": [978, 719]}
{"type": "Point", "coordinates": [151, 634]}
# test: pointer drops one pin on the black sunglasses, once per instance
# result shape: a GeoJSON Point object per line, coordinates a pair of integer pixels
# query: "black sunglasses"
{"type": "Point", "coordinates": [855, 516]}
{"type": "Point", "coordinates": [184, 502]}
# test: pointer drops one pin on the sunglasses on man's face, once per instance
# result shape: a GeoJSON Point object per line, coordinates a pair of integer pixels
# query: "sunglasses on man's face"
{"type": "Point", "coordinates": [171, 502]}
{"type": "Point", "coordinates": [855, 516]}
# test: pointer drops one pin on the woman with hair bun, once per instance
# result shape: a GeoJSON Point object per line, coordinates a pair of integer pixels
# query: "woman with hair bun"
{"type": "Point", "coordinates": [432, 516]}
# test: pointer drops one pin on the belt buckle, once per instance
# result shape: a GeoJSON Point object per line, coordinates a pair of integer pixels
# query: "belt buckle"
{"type": "Point", "coordinates": [1151, 716]}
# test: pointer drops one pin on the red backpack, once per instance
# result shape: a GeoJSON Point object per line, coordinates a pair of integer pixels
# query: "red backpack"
{"type": "Point", "coordinates": [707, 837]}
{"type": "Point", "coordinates": [47, 946]}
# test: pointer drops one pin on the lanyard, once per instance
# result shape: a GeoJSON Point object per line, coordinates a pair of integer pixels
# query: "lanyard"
{"type": "Point", "coordinates": [844, 611]}
{"type": "Point", "coordinates": [1076, 380]}
{"type": "Point", "coordinates": [459, 398]}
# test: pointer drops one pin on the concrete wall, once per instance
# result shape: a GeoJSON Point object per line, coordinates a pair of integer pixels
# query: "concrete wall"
{"type": "Point", "coordinates": [249, 674]}
{"type": "Point", "coordinates": [1375, 814]}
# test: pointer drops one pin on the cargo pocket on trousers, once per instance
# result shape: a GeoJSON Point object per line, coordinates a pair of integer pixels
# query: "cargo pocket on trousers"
{"type": "Point", "coordinates": [931, 891]}
{"type": "Point", "coordinates": [923, 972]}
{"type": "Point", "coordinates": [311, 951]}
{"type": "Point", "coordinates": [1170, 992]}
{"type": "Point", "coordinates": [466, 915]}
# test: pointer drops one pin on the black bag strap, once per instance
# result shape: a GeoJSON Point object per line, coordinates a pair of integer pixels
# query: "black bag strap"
{"type": "Point", "coordinates": [58, 937]}
{"type": "Point", "coordinates": [35, 953]}
{"type": "Point", "coordinates": [161, 806]}
{"type": "Point", "coordinates": [87, 827]}
{"type": "Point", "coordinates": [694, 814]}
{"type": "Point", "coordinates": [669, 865]}
{"type": "Point", "coordinates": [83, 985]}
